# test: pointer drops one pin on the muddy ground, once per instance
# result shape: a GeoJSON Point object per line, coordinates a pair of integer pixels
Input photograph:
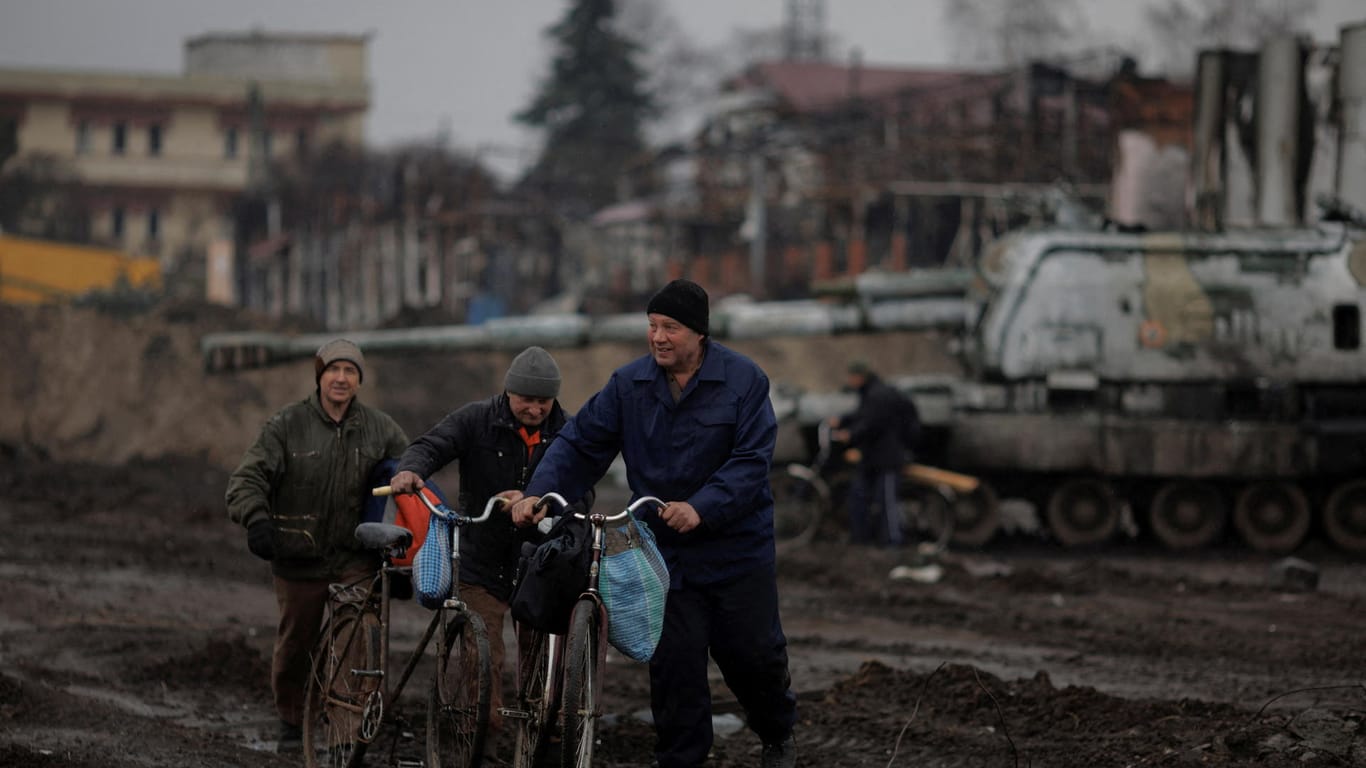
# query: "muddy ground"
{"type": "Point", "coordinates": [135, 628]}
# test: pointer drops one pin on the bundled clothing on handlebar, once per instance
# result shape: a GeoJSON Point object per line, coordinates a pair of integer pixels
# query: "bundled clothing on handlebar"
{"type": "Point", "coordinates": [494, 456]}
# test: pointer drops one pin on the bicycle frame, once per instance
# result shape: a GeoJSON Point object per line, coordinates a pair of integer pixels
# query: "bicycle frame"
{"type": "Point", "coordinates": [373, 712]}
{"type": "Point", "coordinates": [451, 604]}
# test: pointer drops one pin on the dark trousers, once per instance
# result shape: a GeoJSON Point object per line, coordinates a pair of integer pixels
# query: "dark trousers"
{"type": "Point", "coordinates": [737, 623]}
{"type": "Point", "coordinates": [870, 488]}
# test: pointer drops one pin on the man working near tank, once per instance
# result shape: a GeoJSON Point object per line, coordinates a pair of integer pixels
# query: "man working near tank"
{"type": "Point", "coordinates": [880, 431]}
{"type": "Point", "coordinates": [299, 491]}
{"type": "Point", "coordinates": [498, 443]}
{"type": "Point", "coordinates": [693, 422]}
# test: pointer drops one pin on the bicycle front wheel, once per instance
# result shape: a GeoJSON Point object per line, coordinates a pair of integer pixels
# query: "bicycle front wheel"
{"type": "Point", "coordinates": [537, 691]}
{"type": "Point", "coordinates": [458, 704]}
{"type": "Point", "coordinates": [343, 704]}
{"type": "Point", "coordinates": [800, 501]}
{"type": "Point", "coordinates": [582, 696]}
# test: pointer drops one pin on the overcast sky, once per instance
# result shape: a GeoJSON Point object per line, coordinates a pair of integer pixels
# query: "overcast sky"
{"type": "Point", "coordinates": [472, 63]}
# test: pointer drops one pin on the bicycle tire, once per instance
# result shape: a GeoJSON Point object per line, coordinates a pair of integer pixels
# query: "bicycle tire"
{"type": "Point", "coordinates": [800, 502]}
{"type": "Point", "coordinates": [337, 702]}
{"type": "Point", "coordinates": [582, 694]}
{"type": "Point", "coordinates": [536, 700]}
{"type": "Point", "coordinates": [928, 517]}
{"type": "Point", "coordinates": [458, 702]}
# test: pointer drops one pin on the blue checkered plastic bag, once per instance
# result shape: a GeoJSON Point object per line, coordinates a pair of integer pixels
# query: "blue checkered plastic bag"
{"type": "Point", "coordinates": [634, 584]}
{"type": "Point", "coordinates": [432, 566]}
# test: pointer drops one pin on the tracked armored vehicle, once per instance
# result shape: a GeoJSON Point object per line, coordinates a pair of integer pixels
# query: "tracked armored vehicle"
{"type": "Point", "coordinates": [1185, 382]}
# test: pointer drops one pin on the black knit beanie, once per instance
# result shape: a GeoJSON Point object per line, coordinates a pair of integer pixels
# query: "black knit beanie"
{"type": "Point", "coordinates": [684, 301]}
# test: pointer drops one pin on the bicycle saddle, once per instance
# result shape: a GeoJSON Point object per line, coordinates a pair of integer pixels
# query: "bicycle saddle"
{"type": "Point", "coordinates": [383, 536]}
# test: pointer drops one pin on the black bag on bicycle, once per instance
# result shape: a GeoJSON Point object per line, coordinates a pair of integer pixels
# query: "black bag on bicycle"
{"type": "Point", "coordinates": [552, 575]}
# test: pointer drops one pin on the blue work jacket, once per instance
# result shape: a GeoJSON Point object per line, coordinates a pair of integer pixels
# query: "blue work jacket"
{"type": "Point", "coordinates": [713, 449]}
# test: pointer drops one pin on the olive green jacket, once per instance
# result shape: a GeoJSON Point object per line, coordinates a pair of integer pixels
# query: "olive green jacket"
{"type": "Point", "coordinates": [309, 476]}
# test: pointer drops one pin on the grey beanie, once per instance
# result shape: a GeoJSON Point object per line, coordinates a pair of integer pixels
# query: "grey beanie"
{"type": "Point", "coordinates": [533, 373]}
{"type": "Point", "coordinates": [332, 351]}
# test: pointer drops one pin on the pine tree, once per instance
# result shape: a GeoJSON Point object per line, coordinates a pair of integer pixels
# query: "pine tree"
{"type": "Point", "coordinates": [592, 106]}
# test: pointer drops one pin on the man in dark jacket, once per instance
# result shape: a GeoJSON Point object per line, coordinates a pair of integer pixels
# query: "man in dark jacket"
{"type": "Point", "coordinates": [299, 491]}
{"type": "Point", "coordinates": [693, 422]}
{"type": "Point", "coordinates": [498, 443]}
{"type": "Point", "coordinates": [878, 431]}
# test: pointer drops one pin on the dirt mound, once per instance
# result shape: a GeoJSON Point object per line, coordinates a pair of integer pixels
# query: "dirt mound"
{"type": "Point", "coordinates": [225, 662]}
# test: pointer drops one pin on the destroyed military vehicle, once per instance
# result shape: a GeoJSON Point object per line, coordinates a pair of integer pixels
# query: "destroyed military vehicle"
{"type": "Point", "coordinates": [1185, 383]}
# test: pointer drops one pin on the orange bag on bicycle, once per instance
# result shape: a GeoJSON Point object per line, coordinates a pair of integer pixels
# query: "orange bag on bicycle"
{"type": "Point", "coordinates": [400, 509]}
{"type": "Point", "coordinates": [412, 514]}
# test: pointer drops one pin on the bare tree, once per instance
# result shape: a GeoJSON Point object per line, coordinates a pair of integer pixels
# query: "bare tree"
{"type": "Point", "coordinates": [1009, 33]}
{"type": "Point", "coordinates": [1182, 28]}
{"type": "Point", "coordinates": [42, 196]}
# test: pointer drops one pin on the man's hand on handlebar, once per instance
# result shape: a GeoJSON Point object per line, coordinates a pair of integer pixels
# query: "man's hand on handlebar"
{"type": "Point", "coordinates": [680, 516]}
{"type": "Point", "coordinates": [524, 511]}
{"type": "Point", "coordinates": [406, 482]}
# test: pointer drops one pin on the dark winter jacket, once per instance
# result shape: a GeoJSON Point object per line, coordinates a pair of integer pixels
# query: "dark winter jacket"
{"type": "Point", "coordinates": [309, 476]}
{"type": "Point", "coordinates": [483, 437]}
{"type": "Point", "coordinates": [884, 425]}
{"type": "Point", "coordinates": [712, 448]}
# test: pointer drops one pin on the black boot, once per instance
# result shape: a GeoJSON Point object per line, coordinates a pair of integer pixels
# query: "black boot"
{"type": "Point", "coordinates": [780, 755]}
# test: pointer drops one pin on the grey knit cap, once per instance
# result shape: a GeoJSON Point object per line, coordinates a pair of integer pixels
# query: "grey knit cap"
{"type": "Point", "coordinates": [332, 351]}
{"type": "Point", "coordinates": [533, 373]}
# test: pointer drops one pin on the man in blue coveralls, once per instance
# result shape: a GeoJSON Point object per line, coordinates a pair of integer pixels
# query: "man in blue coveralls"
{"type": "Point", "coordinates": [694, 425]}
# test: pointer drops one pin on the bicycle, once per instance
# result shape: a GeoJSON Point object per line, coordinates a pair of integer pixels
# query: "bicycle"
{"type": "Point", "coordinates": [806, 496]}
{"type": "Point", "coordinates": [564, 681]}
{"type": "Point", "coordinates": [350, 708]}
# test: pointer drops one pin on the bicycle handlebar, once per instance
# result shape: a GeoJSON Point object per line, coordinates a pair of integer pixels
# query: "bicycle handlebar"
{"type": "Point", "coordinates": [441, 510]}
{"type": "Point", "coordinates": [630, 509]}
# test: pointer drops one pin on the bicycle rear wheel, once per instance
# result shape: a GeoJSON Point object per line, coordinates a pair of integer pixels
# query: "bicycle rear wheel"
{"type": "Point", "coordinates": [458, 704]}
{"type": "Point", "coordinates": [582, 695]}
{"type": "Point", "coordinates": [927, 520]}
{"type": "Point", "coordinates": [342, 709]}
{"type": "Point", "coordinates": [537, 691]}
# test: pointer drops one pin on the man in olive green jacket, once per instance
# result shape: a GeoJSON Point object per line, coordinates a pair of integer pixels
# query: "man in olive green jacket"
{"type": "Point", "coordinates": [299, 491]}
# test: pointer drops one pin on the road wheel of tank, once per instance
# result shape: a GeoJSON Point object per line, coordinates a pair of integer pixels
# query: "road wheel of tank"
{"type": "Point", "coordinates": [1344, 516]}
{"type": "Point", "coordinates": [1083, 511]}
{"type": "Point", "coordinates": [976, 517]}
{"type": "Point", "coordinates": [1187, 514]}
{"type": "Point", "coordinates": [1272, 516]}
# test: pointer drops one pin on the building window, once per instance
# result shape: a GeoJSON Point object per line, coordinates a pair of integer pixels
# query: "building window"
{"type": "Point", "coordinates": [154, 139]}
{"type": "Point", "coordinates": [120, 142]}
{"type": "Point", "coordinates": [1346, 326]}
{"type": "Point", "coordinates": [153, 224]}
{"type": "Point", "coordinates": [83, 137]}
{"type": "Point", "coordinates": [230, 143]}
{"type": "Point", "coordinates": [116, 222]}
